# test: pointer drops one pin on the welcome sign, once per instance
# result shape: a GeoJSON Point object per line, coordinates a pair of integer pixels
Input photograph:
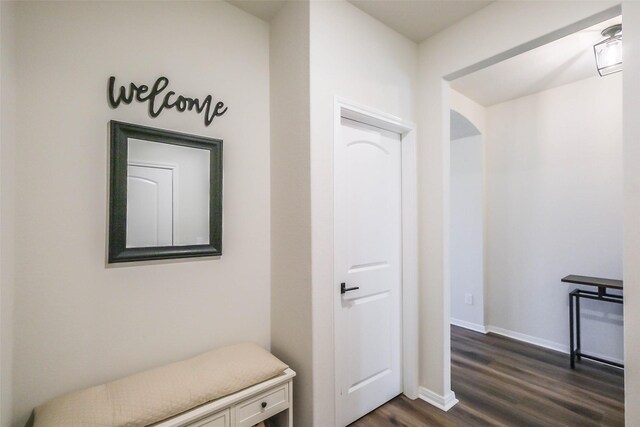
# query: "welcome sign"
{"type": "Point", "coordinates": [159, 100]}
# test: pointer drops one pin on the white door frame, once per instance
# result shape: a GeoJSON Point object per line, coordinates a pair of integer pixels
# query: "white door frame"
{"type": "Point", "coordinates": [409, 283]}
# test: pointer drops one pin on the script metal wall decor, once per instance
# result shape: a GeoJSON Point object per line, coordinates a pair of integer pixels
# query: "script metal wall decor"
{"type": "Point", "coordinates": [159, 100]}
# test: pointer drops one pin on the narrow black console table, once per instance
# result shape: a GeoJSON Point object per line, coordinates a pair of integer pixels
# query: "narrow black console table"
{"type": "Point", "coordinates": [574, 298]}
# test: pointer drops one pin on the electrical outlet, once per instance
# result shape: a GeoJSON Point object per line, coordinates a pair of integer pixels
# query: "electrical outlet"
{"type": "Point", "coordinates": [468, 299]}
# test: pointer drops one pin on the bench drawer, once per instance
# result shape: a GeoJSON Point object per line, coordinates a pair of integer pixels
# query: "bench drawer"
{"type": "Point", "coordinates": [254, 410]}
{"type": "Point", "coordinates": [219, 419]}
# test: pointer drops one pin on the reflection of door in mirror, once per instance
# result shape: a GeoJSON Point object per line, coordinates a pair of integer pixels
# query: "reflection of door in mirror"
{"type": "Point", "coordinates": [167, 194]}
{"type": "Point", "coordinates": [149, 206]}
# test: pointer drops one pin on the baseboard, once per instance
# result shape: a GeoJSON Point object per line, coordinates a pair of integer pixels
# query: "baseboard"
{"type": "Point", "coordinates": [540, 342]}
{"type": "Point", "coordinates": [441, 402]}
{"type": "Point", "coordinates": [468, 325]}
{"type": "Point", "coordinates": [562, 348]}
{"type": "Point", "coordinates": [605, 357]}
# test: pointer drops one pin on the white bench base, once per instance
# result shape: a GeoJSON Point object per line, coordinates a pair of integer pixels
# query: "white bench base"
{"type": "Point", "coordinates": [244, 408]}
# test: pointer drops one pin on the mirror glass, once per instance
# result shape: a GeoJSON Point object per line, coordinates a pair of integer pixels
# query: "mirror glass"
{"type": "Point", "coordinates": [167, 194]}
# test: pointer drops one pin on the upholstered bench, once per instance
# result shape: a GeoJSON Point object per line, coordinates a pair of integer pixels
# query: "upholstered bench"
{"type": "Point", "coordinates": [239, 385]}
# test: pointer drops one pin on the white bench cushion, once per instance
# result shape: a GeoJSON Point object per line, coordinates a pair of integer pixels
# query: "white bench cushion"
{"type": "Point", "coordinates": [163, 392]}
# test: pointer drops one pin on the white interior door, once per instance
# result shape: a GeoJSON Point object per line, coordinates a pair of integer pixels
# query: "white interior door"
{"type": "Point", "coordinates": [149, 206]}
{"type": "Point", "coordinates": [368, 255]}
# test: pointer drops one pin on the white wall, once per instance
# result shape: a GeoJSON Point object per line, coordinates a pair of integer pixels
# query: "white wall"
{"type": "Point", "coordinates": [80, 322]}
{"type": "Point", "coordinates": [291, 326]}
{"type": "Point", "coordinates": [467, 226]}
{"type": "Point", "coordinates": [631, 159]}
{"type": "Point", "coordinates": [355, 57]}
{"type": "Point", "coordinates": [467, 231]}
{"type": "Point", "coordinates": [554, 207]}
{"type": "Point", "coordinates": [7, 200]}
{"type": "Point", "coordinates": [498, 30]}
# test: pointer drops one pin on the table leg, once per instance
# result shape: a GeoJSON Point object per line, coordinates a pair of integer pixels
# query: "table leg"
{"type": "Point", "coordinates": [578, 346]}
{"type": "Point", "coordinates": [571, 348]}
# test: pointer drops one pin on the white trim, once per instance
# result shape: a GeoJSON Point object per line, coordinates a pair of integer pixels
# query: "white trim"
{"type": "Point", "coordinates": [443, 403]}
{"type": "Point", "coordinates": [529, 339]}
{"type": "Point", "coordinates": [603, 356]}
{"type": "Point", "coordinates": [540, 342]}
{"type": "Point", "coordinates": [410, 349]}
{"type": "Point", "coordinates": [372, 116]}
{"type": "Point", "coordinates": [468, 325]}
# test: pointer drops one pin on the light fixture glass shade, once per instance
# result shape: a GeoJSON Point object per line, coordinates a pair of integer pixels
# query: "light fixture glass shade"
{"type": "Point", "coordinates": [608, 52]}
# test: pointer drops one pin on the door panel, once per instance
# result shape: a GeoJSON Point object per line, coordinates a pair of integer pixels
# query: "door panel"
{"type": "Point", "coordinates": [367, 255]}
{"type": "Point", "coordinates": [369, 355]}
{"type": "Point", "coordinates": [149, 206]}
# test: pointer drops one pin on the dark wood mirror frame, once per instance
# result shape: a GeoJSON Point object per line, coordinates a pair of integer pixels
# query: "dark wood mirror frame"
{"type": "Point", "coordinates": [118, 251]}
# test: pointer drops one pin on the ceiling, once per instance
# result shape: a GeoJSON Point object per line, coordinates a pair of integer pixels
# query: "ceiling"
{"type": "Point", "coordinates": [263, 9]}
{"type": "Point", "coordinates": [419, 19]}
{"type": "Point", "coordinates": [563, 61]}
{"type": "Point", "coordinates": [415, 19]}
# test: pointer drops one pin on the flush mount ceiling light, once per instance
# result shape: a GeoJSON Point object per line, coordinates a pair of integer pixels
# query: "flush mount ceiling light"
{"type": "Point", "coordinates": [608, 52]}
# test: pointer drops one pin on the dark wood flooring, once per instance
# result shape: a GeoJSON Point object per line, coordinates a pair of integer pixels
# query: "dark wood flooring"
{"type": "Point", "coordinates": [503, 382]}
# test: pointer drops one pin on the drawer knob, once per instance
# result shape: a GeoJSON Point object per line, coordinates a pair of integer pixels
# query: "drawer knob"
{"type": "Point", "coordinates": [263, 404]}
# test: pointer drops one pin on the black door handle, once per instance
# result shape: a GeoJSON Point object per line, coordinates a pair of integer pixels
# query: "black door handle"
{"type": "Point", "coordinates": [344, 289]}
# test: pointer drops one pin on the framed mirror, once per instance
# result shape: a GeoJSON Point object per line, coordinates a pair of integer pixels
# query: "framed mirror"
{"type": "Point", "coordinates": [165, 194]}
